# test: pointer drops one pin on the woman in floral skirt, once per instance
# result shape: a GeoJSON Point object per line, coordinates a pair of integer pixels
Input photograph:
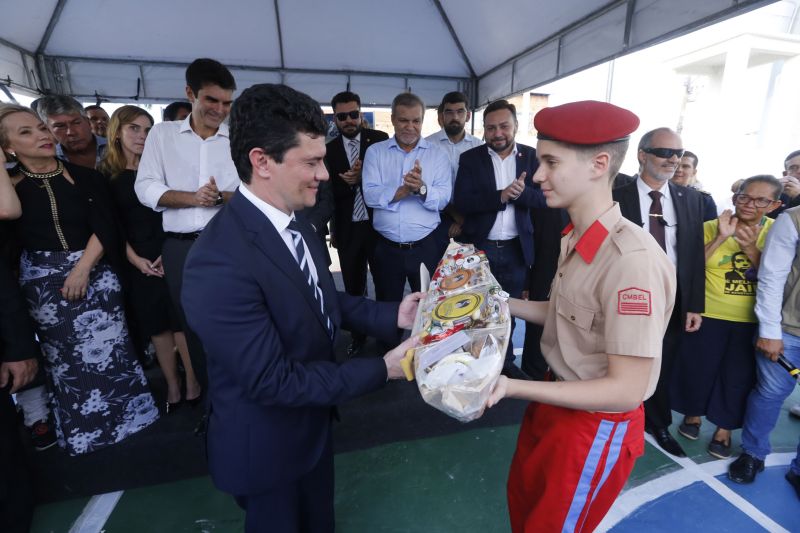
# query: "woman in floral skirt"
{"type": "Point", "coordinates": [69, 241]}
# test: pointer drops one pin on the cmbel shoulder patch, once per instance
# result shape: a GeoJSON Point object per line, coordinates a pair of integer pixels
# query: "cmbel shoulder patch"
{"type": "Point", "coordinates": [634, 301]}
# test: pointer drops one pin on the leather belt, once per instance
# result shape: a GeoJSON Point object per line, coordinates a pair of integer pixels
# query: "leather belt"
{"type": "Point", "coordinates": [502, 244]}
{"type": "Point", "coordinates": [183, 236]}
{"type": "Point", "coordinates": [403, 245]}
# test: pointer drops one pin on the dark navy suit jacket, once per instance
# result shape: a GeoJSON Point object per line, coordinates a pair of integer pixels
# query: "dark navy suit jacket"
{"type": "Point", "coordinates": [476, 197]}
{"type": "Point", "coordinates": [272, 375]}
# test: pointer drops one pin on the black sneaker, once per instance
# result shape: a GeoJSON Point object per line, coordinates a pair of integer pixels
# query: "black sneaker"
{"type": "Point", "coordinates": [690, 431]}
{"type": "Point", "coordinates": [719, 449]}
{"type": "Point", "coordinates": [42, 435]}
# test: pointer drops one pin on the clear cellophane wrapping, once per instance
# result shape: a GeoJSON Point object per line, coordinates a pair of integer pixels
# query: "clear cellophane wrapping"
{"type": "Point", "coordinates": [465, 328]}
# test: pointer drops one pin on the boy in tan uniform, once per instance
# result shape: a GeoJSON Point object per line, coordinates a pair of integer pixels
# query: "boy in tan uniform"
{"type": "Point", "coordinates": [610, 302]}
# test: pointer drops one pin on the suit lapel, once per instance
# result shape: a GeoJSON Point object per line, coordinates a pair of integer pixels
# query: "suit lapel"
{"type": "Point", "coordinates": [269, 242]}
{"type": "Point", "coordinates": [325, 280]}
{"type": "Point", "coordinates": [681, 208]}
{"type": "Point", "coordinates": [629, 203]}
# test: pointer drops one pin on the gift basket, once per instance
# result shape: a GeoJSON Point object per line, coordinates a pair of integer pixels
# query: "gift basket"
{"type": "Point", "coordinates": [464, 326]}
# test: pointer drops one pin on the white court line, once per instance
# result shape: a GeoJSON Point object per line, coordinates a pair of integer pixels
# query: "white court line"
{"type": "Point", "coordinates": [691, 472]}
{"type": "Point", "coordinates": [96, 512]}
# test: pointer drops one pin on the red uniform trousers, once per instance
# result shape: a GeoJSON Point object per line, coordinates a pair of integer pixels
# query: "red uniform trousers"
{"type": "Point", "coordinates": [570, 466]}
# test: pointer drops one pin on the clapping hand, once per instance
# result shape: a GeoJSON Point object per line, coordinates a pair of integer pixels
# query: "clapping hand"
{"type": "Point", "coordinates": [413, 178]}
{"type": "Point", "coordinates": [727, 224]}
{"type": "Point", "coordinates": [352, 176]}
{"type": "Point", "coordinates": [206, 196]}
{"type": "Point", "coordinates": [513, 191]}
{"type": "Point", "coordinates": [746, 236]}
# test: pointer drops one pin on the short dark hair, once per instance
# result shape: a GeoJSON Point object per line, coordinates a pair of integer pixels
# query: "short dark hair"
{"type": "Point", "coordinates": [789, 158]}
{"type": "Point", "coordinates": [497, 105]}
{"type": "Point", "coordinates": [94, 106]}
{"type": "Point", "coordinates": [687, 153]}
{"type": "Point", "coordinates": [777, 186]}
{"type": "Point", "coordinates": [269, 116]}
{"type": "Point", "coordinates": [170, 112]}
{"type": "Point", "coordinates": [59, 104]}
{"type": "Point", "coordinates": [205, 71]}
{"type": "Point", "coordinates": [344, 97]}
{"type": "Point", "coordinates": [407, 99]}
{"type": "Point", "coordinates": [454, 97]}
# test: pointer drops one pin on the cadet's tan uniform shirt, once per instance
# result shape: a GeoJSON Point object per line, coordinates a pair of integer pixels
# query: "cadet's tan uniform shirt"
{"type": "Point", "coordinates": [613, 293]}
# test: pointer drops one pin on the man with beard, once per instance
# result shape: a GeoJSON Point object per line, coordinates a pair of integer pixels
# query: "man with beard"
{"type": "Point", "coordinates": [494, 191]}
{"type": "Point", "coordinates": [98, 119]}
{"type": "Point", "coordinates": [187, 173]}
{"type": "Point", "coordinates": [67, 121]}
{"type": "Point", "coordinates": [406, 181]}
{"type": "Point", "coordinates": [352, 231]}
{"type": "Point", "coordinates": [673, 215]}
{"type": "Point", "coordinates": [453, 139]}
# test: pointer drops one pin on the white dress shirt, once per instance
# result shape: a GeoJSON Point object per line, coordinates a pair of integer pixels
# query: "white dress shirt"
{"type": "Point", "coordinates": [280, 221]}
{"type": "Point", "coordinates": [773, 271]}
{"type": "Point", "coordinates": [453, 150]}
{"type": "Point", "coordinates": [668, 210]}
{"type": "Point", "coordinates": [505, 170]}
{"type": "Point", "coordinates": [176, 158]}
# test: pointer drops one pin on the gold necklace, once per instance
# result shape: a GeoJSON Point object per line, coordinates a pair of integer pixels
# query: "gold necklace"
{"type": "Point", "coordinates": [45, 175]}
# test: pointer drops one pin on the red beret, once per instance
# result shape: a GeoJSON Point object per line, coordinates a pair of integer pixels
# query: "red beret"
{"type": "Point", "coordinates": [586, 122]}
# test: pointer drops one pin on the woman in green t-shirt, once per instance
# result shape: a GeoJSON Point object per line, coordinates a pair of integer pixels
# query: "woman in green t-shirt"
{"type": "Point", "coordinates": [715, 370]}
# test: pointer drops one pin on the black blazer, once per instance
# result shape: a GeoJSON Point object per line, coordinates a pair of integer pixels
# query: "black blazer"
{"type": "Point", "coordinates": [689, 208]}
{"type": "Point", "coordinates": [337, 161]}
{"type": "Point", "coordinates": [476, 197]}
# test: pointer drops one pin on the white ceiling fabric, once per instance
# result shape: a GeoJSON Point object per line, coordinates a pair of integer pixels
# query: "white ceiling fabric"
{"type": "Point", "coordinates": [127, 51]}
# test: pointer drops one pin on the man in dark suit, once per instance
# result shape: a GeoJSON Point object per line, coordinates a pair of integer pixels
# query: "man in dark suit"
{"type": "Point", "coordinates": [18, 367]}
{"type": "Point", "coordinates": [353, 235]}
{"type": "Point", "coordinates": [256, 291]}
{"type": "Point", "coordinates": [494, 191]}
{"type": "Point", "coordinates": [674, 216]}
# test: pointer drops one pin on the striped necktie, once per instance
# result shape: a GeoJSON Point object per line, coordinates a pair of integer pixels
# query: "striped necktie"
{"type": "Point", "coordinates": [359, 207]}
{"type": "Point", "coordinates": [302, 260]}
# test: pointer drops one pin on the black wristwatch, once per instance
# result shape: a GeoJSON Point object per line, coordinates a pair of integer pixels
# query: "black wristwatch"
{"type": "Point", "coordinates": [220, 199]}
{"type": "Point", "coordinates": [422, 191]}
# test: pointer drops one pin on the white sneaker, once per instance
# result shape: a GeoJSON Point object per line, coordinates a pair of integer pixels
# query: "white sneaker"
{"type": "Point", "coordinates": [795, 410]}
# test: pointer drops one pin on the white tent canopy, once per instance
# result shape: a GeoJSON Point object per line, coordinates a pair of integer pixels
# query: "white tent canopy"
{"type": "Point", "coordinates": [137, 51]}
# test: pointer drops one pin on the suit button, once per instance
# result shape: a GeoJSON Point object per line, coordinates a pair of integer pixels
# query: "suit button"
{"type": "Point", "coordinates": [560, 275]}
{"type": "Point", "coordinates": [572, 317]}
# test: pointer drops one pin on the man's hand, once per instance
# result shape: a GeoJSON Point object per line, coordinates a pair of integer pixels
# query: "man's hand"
{"type": "Point", "coordinates": [76, 284]}
{"type": "Point", "coordinates": [791, 186]}
{"type": "Point", "coordinates": [206, 196]}
{"type": "Point", "coordinates": [726, 224]}
{"type": "Point", "coordinates": [454, 231]}
{"type": "Point", "coordinates": [498, 392]}
{"type": "Point", "coordinates": [693, 321]}
{"type": "Point", "coordinates": [771, 348]}
{"type": "Point", "coordinates": [413, 178]}
{"type": "Point", "coordinates": [408, 310]}
{"type": "Point", "coordinates": [394, 369]}
{"type": "Point", "coordinates": [352, 176]}
{"type": "Point", "coordinates": [513, 191]}
{"type": "Point", "coordinates": [23, 371]}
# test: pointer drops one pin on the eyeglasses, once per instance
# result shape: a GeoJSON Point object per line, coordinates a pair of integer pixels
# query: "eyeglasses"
{"type": "Point", "coordinates": [744, 199]}
{"type": "Point", "coordinates": [664, 153]}
{"type": "Point", "coordinates": [351, 114]}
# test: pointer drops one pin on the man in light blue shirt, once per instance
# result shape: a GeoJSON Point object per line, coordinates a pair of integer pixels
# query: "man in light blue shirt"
{"type": "Point", "coordinates": [778, 312]}
{"type": "Point", "coordinates": [453, 138]}
{"type": "Point", "coordinates": [406, 181]}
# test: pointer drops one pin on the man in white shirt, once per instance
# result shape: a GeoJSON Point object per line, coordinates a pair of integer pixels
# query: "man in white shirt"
{"type": "Point", "coordinates": [673, 215]}
{"type": "Point", "coordinates": [495, 193]}
{"type": "Point", "coordinates": [187, 173]}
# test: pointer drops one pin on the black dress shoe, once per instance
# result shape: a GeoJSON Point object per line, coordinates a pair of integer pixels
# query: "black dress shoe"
{"type": "Point", "coordinates": [794, 481]}
{"type": "Point", "coordinates": [172, 407]}
{"type": "Point", "coordinates": [512, 371]}
{"type": "Point", "coordinates": [666, 442]}
{"type": "Point", "coordinates": [745, 468]}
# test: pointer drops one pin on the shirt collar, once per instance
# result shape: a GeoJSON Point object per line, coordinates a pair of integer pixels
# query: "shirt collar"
{"type": "Point", "coordinates": [441, 136]}
{"type": "Point", "coordinates": [186, 125]}
{"type": "Point", "coordinates": [422, 143]}
{"type": "Point", "coordinates": [591, 240]}
{"type": "Point", "coordinates": [357, 139]}
{"type": "Point", "coordinates": [278, 218]}
{"type": "Point", "coordinates": [644, 189]}
{"type": "Point", "coordinates": [512, 155]}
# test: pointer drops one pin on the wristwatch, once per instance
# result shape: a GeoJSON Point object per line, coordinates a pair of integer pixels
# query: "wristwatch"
{"type": "Point", "coordinates": [422, 191]}
{"type": "Point", "coordinates": [219, 200]}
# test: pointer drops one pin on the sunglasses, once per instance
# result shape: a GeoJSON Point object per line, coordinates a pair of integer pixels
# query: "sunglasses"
{"type": "Point", "coordinates": [664, 153]}
{"type": "Point", "coordinates": [744, 199]}
{"type": "Point", "coordinates": [349, 114]}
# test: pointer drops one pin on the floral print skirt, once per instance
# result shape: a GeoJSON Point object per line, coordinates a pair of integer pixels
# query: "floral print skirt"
{"type": "Point", "coordinates": [99, 393]}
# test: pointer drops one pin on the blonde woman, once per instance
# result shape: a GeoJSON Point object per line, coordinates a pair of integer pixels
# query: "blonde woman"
{"type": "Point", "coordinates": [70, 246]}
{"type": "Point", "coordinates": [149, 300]}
